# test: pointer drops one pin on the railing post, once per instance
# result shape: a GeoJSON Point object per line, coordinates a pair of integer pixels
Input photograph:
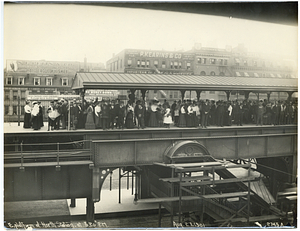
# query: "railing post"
{"type": "Point", "coordinates": [180, 195]}
{"type": "Point", "coordinates": [57, 167]}
{"type": "Point", "coordinates": [22, 158]}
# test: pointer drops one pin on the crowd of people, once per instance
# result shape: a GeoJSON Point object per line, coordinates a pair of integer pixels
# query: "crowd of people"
{"type": "Point", "coordinates": [115, 114]}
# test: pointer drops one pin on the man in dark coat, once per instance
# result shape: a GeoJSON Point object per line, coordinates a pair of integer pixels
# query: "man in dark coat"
{"type": "Point", "coordinates": [205, 112]}
{"type": "Point", "coordinates": [105, 115]}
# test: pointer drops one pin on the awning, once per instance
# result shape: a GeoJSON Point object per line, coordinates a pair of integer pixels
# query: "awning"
{"type": "Point", "coordinates": [272, 75]}
{"type": "Point", "coordinates": [238, 73]}
{"type": "Point", "coordinates": [111, 80]}
{"type": "Point", "coordinates": [246, 74]}
{"type": "Point", "coordinates": [237, 60]}
{"type": "Point", "coordinates": [278, 75]}
{"type": "Point", "coordinates": [256, 75]}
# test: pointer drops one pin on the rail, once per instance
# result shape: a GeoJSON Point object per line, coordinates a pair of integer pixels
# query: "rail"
{"type": "Point", "coordinates": [56, 153]}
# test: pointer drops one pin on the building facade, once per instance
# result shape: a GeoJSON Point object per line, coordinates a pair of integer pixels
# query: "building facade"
{"type": "Point", "coordinates": [39, 80]}
{"type": "Point", "coordinates": [202, 61]}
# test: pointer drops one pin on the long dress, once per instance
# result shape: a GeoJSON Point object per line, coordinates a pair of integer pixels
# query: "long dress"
{"type": "Point", "coordinates": [129, 117]}
{"type": "Point", "coordinates": [97, 116]}
{"type": "Point", "coordinates": [35, 118]}
{"type": "Point", "coordinates": [189, 117]}
{"type": "Point", "coordinates": [27, 117]}
{"type": "Point", "coordinates": [182, 121]}
{"type": "Point", "coordinates": [89, 124]}
{"type": "Point", "coordinates": [168, 116]}
{"type": "Point", "coordinates": [153, 116]}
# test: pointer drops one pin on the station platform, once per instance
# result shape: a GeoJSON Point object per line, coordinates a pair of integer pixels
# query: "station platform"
{"type": "Point", "coordinates": [53, 210]}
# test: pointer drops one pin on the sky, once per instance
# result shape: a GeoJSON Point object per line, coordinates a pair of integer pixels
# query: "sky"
{"type": "Point", "coordinates": [58, 32]}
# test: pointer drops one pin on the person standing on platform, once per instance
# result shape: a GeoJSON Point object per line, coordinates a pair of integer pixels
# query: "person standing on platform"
{"type": "Point", "coordinates": [167, 117]}
{"type": "Point", "coordinates": [105, 115]}
{"type": "Point", "coordinates": [173, 106]}
{"type": "Point", "coordinates": [73, 115]}
{"type": "Point", "coordinates": [275, 113]}
{"type": "Point", "coordinates": [213, 113]}
{"type": "Point", "coordinates": [41, 114]}
{"type": "Point", "coordinates": [129, 115]}
{"type": "Point", "coordinates": [57, 109]}
{"type": "Point", "coordinates": [35, 116]}
{"type": "Point", "coordinates": [153, 114]}
{"type": "Point", "coordinates": [140, 114]}
{"type": "Point", "coordinates": [205, 113]}
{"type": "Point", "coordinates": [64, 113]}
{"type": "Point", "coordinates": [97, 115]}
{"type": "Point", "coordinates": [289, 112]}
{"type": "Point", "coordinates": [260, 113]}
{"type": "Point", "coordinates": [112, 114]}
{"type": "Point", "coordinates": [229, 110]}
{"type": "Point", "coordinates": [239, 114]}
{"type": "Point", "coordinates": [182, 116]}
{"type": "Point", "coordinates": [189, 118]}
{"type": "Point", "coordinates": [176, 113]}
{"type": "Point", "coordinates": [27, 115]}
{"type": "Point", "coordinates": [121, 115]}
{"type": "Point", "coordinates": [51, 116]}
{"type": "Point", "coordinates": [282, 113]}
{"type": "Point", "coordinates": [89, 124]}
{"type": "Point", "coordinates": [220, 114]}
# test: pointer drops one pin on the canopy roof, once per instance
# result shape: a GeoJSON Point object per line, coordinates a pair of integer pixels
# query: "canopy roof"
{"type": "Point", "coordinates": [110, 80]}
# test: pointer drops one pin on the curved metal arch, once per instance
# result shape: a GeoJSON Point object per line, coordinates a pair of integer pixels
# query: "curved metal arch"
{"type": "Point", "coordinates": [188, 150]}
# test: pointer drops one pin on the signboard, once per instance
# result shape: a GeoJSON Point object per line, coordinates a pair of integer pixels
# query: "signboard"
{"type": "Point", "coordinates": [160, 54]}
{"type": "Point", "coordinates": [42, 67]}
{"type": "Point", "coordinates": [103, 93]}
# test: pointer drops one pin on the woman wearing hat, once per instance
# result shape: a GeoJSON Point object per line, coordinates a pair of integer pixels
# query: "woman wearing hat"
{"type": "Point", "coordinates": [34, 116]}
{"type": "Point", "coordinates": [153, 114]}
{"type": "Point", "coordinates": [27, 115]}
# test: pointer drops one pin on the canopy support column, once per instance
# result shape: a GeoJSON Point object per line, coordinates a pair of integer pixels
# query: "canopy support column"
{"type": "Point", "coordinates": [131, 96]}
{"type": "Point", "coordinates": [228, 94]}
{"type": "Point", "coordinates": [143, 91]}
{"type": "Point", "coordinates": [198, 94]}
{"type": "Point", "coordinates": [247, 93]}
{"type": "Point", "coordinates": [82, 94]}
{"type": "Point", "coordinates": [290, 95]}
{"type": "Point", "coordinates": [182, 94]}
{"type": "Point", "coordinates": [269, 95]}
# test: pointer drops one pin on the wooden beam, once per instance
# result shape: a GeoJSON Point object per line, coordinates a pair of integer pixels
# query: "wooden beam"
{"type": "Point", "coordinates": [184, 179]}
{"type": "Point", "coordinates": [223, 181]}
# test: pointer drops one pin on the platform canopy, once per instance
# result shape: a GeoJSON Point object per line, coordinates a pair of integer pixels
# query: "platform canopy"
{"type": "Point", "coordinates": [110, 80]}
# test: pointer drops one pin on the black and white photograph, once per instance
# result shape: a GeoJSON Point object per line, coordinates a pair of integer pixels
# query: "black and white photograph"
{"type": "Point", "coordinates": [139, 115]}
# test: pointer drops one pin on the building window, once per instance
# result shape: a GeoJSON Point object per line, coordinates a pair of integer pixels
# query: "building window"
{"type": "Point", "coordinates": [23, 95]}
{"type": "Point", "coordinates": [225, 61]}
{"type": "Point", "coordinates": [6, 109]}
{"type": "Point", "coordinates": [212, 73]}
{"type": "Point", "coordinates": [156, 63]}
{"type": "Point", "coordinates": [49, 81]}
{"type": "Point", "coordinates": [64, 81]}
{"type": "Point", "coordinates": [9, 80]}
{"type": "Point", "coordinates": [179, 65]}
{"type": "Point", "coordinates": [163, 64]}
{"type": "Point", "coordinates": [204, 60]}
{"type": "Point", "coordinates": [221, 61]}
{"type": "Point", "coordinates": [129, 62]}
{"type": "Point", "coordinates": [6, 95]}
{"type": "Point", "coordinates": [171, 64]}
{"type": "Point", "coordinates": [143, 63]}
{"type": "Point", "coordinates": [14, 110]}
{"type": "Point", "coordinates": [36, 81]}
{"type": "Point", "coordinates": [175, 65]}
{"type": "Point", "coordinates": [199, 60]}
{"type": "Point", "coordinates": [21, 81]}
{"type": "Point", "coordinates": [175, 94]}
{"type": "Point", "coordinates": [15, 95]}
{"type": "Point", "coordinates": [147, 63]}
{"type": "Point", "coordinates": [188, 65]}
{"type": "Point", "coordinates": [212, 61]}
{"type": "Point", "coordinates": [138, 63]}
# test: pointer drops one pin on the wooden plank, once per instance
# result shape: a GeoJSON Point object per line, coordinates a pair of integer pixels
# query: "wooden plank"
{"type": "Point", "coordinates": [166, 199]}
{"type": "Point", "coordinates": [226, 195]}
{"type": "Point", "coordinates": [184, 179]}
{"type": "Point", "coordinates": [46, 164]}
{"type": "Point", "coordinates": [251, 219]}
{"type": "Point", "coordinates": [198, 169]}
{"type": "Point", "coordinates": [187, 165]}
{"type": "Point", "coordinates": [291, 198]}
{"type": "Point", "coordinates": [223, 181]}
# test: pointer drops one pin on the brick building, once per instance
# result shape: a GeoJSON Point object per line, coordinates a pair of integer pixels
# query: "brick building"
{"type": "Point", "coordinates": [39, 80]}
